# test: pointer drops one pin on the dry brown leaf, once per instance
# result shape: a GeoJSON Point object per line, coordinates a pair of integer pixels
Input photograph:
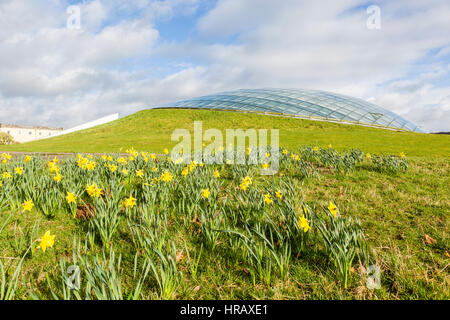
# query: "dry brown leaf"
{"type": "Point", "coordinates": [429, 240]}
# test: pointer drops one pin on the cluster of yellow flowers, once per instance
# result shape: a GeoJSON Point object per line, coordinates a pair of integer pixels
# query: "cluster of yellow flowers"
{"type": "Point", "coordinates": [268, 199]}
{"type": "Point", "coordinates": [247, 181]}
{"type": "Point", "coordinates": [166, 176]}
{"type": "Point", "coordinates": [129, 203]}
{"type": "Point", "coordinates": [94, 191]}
{"type": "Point", "coordinates": [54, 169]}
{"type": "Point", "coordinates": [86, 163]}
{"type": "Point", "coordinates": [5, 157]}
{"type": "Point", "coordinates": [190, 168]}
{"type": "Point", "coordinates": [6, 175]}
{"type": "Point", "coordinates": [19, 170]}
{"type": "Point", "coordinates": [133, 153]}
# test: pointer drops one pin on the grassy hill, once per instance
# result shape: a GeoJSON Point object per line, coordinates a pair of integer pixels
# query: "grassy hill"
{"type": "Point", "coordinates": [404, 215]}
{"type": "Point", "coordinates": [151, 130]}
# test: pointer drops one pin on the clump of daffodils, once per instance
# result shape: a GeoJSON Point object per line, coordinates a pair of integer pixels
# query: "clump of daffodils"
{"type": "Point", "coordinates": [94, 191]}
{"type": "Point", "coordinates": [268, 199]}
{"type": "Point", "coordinates": [246, 182]}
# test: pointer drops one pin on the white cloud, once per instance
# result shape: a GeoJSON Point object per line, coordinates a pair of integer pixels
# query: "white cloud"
{"type": "Point", "coordinates": [53, 76]}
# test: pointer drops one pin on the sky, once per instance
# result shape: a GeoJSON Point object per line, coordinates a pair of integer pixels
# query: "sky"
{"type": "Point", "coordinates": [129, 55]}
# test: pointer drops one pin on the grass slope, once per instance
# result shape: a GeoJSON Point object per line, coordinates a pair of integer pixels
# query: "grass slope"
{"type": "Point", "coordinates": [151, 130]}
{"type": "Point", "coordinates": [397, 212]}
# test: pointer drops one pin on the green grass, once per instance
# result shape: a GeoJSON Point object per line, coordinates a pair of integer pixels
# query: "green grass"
{"type": "Point", "coordinates": [397, 211]}
{"type": "Point", "coordinates": [151, 130]}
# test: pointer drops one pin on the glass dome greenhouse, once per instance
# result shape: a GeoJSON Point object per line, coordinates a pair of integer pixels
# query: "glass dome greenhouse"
{"type": "Point", "coordinates": [307, 104]}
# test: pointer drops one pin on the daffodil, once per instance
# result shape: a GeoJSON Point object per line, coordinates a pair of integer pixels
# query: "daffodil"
{"type": "Point", "coordinates": [245, 183]}
{"type": "Point", "coordinates": [139, 173]}
{"type": "Point", "coordinates": [205, 193]}
{"type": "Point", "coordinates": [90, 165]}
{"type": "Point", "coordinates": [216, 173]}
{"type": "Point", "coordinates": [166, 151]}
{"type": "Point", "coordinates": [402, 155]}
{"type": "Point", "coordinates": [368, 156]}
{"type": "Point", "coordinates": [57, 178]}
{"type": "Point", "coordinates": [19, 171]}
{"type": "Point", "coordinates": [303, 224]}
{"type": "Point", "coordinates": [27, 159]}
{"type": "Point", "coordinates": [333, 209]}
{"type": "Point", "coordinates": [268, 198]}
{"type": "Point", "coordinates": [243, 186]}
{"type": "Point", "coordinates": [121, 160]}
{"type": "Point", "coordinates": [71, 197]}
{"type": "Point", "coordinates": [279, 195]}
{"type": "Point", "coordinates": [94, 191]}
{"type": "Point", "coordinates": [130, 202]}
{"type": "Point", "coordinates": [52, 167]}
{"type": "Point", "coordinates": [6, 175]}
{"type": "Point", "coordinates": [166, 176]}
{"type": "Point", "coordinates": [46, 241]}
{"type": "Point", "coordinates": [28, 205]}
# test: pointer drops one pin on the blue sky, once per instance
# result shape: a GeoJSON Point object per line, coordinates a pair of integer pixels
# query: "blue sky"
{"type": "Point", "coordinates": [129, 55]}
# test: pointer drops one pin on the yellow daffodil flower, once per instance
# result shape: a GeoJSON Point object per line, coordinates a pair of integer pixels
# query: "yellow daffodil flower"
{"type": "Point", "coordinates": [71, 197]}
{"type": "Point", "coordinates": [130, 202]}
{"type": "Point", "coordinates": [205, 193]}
{"type": "Point", "coordinates": [333, 209]}
{"type": "Point", "coordinates": [303, 224]}
{"type": "Point", "coordinates": [268, 198]}
{"type": "Point", "coordinates": [47, 241]}
{"type": "Point", "coordinates": [28, 205]}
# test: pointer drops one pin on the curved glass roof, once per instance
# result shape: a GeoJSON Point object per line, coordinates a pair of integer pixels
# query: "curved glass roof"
{"type": "Point", "coordinates": [301, 103]}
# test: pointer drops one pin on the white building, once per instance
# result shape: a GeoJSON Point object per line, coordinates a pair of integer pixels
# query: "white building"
{"type": "Point", "coordinates": [26, 133]}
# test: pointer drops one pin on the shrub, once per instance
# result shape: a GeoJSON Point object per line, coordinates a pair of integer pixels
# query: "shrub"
{"type": "Point", "coordinates": [6, 139]}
